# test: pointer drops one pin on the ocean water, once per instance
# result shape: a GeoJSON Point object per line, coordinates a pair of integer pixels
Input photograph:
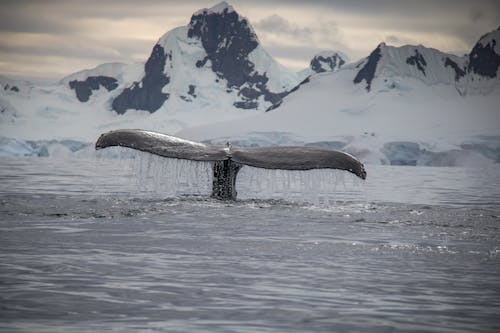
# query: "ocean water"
{"type": "Point", "coordinates": [137, 245]}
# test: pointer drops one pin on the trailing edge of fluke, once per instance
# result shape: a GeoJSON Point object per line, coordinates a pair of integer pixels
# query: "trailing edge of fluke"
{"type": "Point", "coordinates": [229, 160]}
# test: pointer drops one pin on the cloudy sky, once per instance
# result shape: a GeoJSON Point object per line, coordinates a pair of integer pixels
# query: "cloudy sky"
{"type": "Point", "coordinates": [53, 38]}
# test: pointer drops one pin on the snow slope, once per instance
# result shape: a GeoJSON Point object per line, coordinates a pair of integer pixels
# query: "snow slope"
{"type": "Point", "coordinates": [329, 112]}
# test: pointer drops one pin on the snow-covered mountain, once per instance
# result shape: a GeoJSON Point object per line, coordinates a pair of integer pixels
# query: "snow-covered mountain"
{"type": "Point", "coordinates": [217, 53]}
{"type": "Point", "coordinates": [474, 73]}
{"type": "Point", "coordinates": [400, 105]}
{"type": "Point", "coordinates": [428, 65]}
{"type": "Point", "coordinates": [328, 61]}
{"type": "Point", "coordinates": [87, 84]}
{"type": "Point", "coordinates": [212, 69]}
{"type": "Point", "coordinates": [325, 61]}
{"type": "Point", "coordinates": [212, 80]}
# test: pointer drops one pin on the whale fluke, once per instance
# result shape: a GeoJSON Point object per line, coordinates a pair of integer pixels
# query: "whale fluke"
{"type": "Point", "coordinates": [298, 158]}
{"type": "Point", "coordinates": [160, 144]}
{"type": "Point", "coordinates": [228, 160]}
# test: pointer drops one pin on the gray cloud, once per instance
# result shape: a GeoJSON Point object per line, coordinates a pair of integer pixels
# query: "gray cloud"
{"type": "Point", "coordinates": [22, 18]}
{"type": "Point", "coordinates": [279, 25]}
{"type": "Point", "coordinates": [64, 16]}
{"type": "Point", "coordinates": [352, 26]}
{"type": "Point", "coordinates": [391, 39]}
{"type": "Point", "coordinates": [453, 17]}
{"type": "Point", "coordinates": [476, 14]}
{"type": "Point", "coordinates": [118, 50]}
{"type": "Point", "coordinates": [323, 35]}
{"type": "Point", "coordinates": [296, 53]}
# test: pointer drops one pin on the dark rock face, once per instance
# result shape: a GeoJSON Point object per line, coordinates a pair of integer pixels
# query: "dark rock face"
{"type": "Point", "coordinates": [286, 93]}
{"type": "Point", "coordinates": [459, 72]}
{"type": "Point", "coordinates": [367, 73]}
{"type": "Point", "coordinates": [83, 89]}
{"type": "Point", "coordinates": [417, 60]}
{"type": "Point", "coordinates": [146, 95]}
{"type": "Point", "coordinates": [13, 88]}
{"type": "Point", "coordinates": [228, 40]}
{"type": "Point", "coordinates": [247, 105]}
{"type": "Point", "coordinates": [317, 63]}
{"type": "Point", "coordinates": [192, 90]}
{"type": "Point", "coordinates": [483, 60]}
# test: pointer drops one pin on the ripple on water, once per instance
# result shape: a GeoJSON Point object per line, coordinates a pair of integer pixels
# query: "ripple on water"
{"type": "Point", "coordinates": [105, 255]}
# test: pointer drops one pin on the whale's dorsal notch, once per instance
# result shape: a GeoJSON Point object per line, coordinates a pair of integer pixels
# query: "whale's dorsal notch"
{"type": "Point", "coordinates": [228, 160]}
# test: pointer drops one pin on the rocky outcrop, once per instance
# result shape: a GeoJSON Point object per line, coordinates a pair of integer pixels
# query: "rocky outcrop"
{"type": "Point", "coordinates": [147, 94]}
{"type": "Point", "coordinates": [83, 89]}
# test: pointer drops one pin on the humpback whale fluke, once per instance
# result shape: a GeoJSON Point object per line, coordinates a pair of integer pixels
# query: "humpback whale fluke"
{"type": "Point", "coordinates": [228, 160]}
{"type": "Point", "coordinates": [160, 144]}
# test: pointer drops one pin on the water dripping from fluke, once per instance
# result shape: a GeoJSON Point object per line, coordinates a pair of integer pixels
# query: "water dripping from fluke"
{"type": "Point", "coordinates": [226, 162]}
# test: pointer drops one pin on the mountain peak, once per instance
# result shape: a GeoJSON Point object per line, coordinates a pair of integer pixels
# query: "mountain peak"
{"type": "Point", "coordinates": [217, 47]}
{"type": "Point", "coordinates": [328, 61]}
{"type": "Point", "coordinates": [367, 72]}
{"type": "Point", "coordinates": [221, 7]}
{"type": "Point", "coordinates": [228, 39]}
{"type": "Point", "coordinates": [473, 73]}
{"type": "Point", "coordinates": [484, 58]}
{"type": "Point", "coordinates": [490, 38]}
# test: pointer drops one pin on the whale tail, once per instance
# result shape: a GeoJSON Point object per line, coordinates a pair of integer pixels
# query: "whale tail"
{"type": "Point", "coordinates": [229, 160]}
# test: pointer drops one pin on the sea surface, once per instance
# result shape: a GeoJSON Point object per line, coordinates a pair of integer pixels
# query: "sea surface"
{"type": "Point", "coordinates": [137, 245]}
